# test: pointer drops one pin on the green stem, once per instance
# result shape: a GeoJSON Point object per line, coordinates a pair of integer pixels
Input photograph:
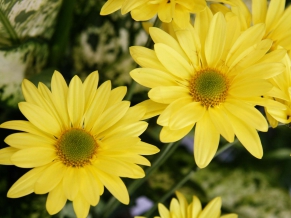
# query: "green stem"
{"type": "Point", "coordinates": [148, 44]}
{"type": "Point", "coordinates": [62, 32]}
{"type": "Point", "coordinates": [163, 156]}
{"type": "Point", "coordinates": [10, 30]}
{"type": "Point", "coordinates": [184, 180]}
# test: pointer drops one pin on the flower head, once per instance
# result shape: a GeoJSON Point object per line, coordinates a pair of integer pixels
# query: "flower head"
{"type": "Point", "coordinates": [179, 208]}
{"type": "Point", "coordinates": [212, 76]}
{"type": "Point", "coordinates": [167, 10]}
{"type": "Point", "coordinates": [273, 15]}
{"type": "Point", "coordinates": [77, 139]}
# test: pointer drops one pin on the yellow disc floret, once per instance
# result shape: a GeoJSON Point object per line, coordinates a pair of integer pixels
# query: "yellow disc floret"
{"type": "Point", "coordinates": [209, 86]}
{"type": "Point", "coordinates": [76, 147]}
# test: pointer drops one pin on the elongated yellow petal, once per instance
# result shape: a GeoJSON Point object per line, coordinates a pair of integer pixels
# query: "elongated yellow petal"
{"type": "Point", "coordinates": [152, 108]}
{"type": "Point", "coordinates": [81, 206]}
{"type": "Point", "coordinates": [71, 183]}
{"type": "Point", "coordinates": [115, 185]}
{"type": "Point", "coordinates": [40, 118]}
{"type": "Point", "coordinates": [212, 209]}
{"type": "Point", "coordinates": [30, 157]}
{"type": "Point", "coordinates": [5, 155]}
{"type": "Point", "coordinates": [215, 40]}
{"type": "Point", "coordinates": [168, 94]}
{"type": "Point", "coordinates": [196, 207]}
{"type": "Point", "coordinates": [152, 78]}
{"type": "Point", "coordinates": [56, 200]}
{"type": "Point", "coordinates": [221, 122]}
{"type": "Point", "coordinates": [259, 11]}
{"type": "Point", "coordinates": [247, 135]}
{"type": "Point", "coordinates": [111, 6]}
{"type": "Point", "coordinates": [164, 213]}
{"type": "Point", "coordinates": [27, 140]}
{"type": "Point", "coordinates": [116, 96]}
{"type": "Point", "coordinates": [88, 187]}
{"type": "Point", "coordinates": [25, 184]}
{"type": "Point", "coordinates": [76, 101]}
{"type": "Point", "coordinates": [173, 61]}
{"type": "Point", "coordinates": [90, 88]}
{"type": "Point", "coordinates": [144, 12]}
{"type": "Point", "coordinates": [274, 13]}
{"type": "Point", "coordinates": [187, 115]}
{"type": "Point", "coordinates": [205, 147]}
{"type": "Point", "coordinates": [48, 181]}
{"type": "Point", "coordinates": [169, 135]}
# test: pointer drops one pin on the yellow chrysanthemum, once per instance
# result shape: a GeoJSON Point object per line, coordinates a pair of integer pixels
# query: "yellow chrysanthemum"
{"type": "Point", "coordinates": [282, 91]}
{"type": "Point", "coordinates": [212, 77]}
{"type": "Point", "coordinates": [179, 208]}
{"type": "Point", "coordinates": [167, 10]}
{"type": "Point", "coordinates": [274, 15]}
{"type": "Point", "coordinates": [77, 139]}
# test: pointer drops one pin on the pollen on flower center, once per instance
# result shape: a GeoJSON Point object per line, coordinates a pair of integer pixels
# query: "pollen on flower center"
{"type": "Point", "coordinates": [209, 86]}
{"type": "Point", "coordinates": [76, 147]}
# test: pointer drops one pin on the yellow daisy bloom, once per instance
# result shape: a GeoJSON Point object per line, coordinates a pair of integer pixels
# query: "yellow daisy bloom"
{"type": "Point", "coordinates": [179, 208]}
{"type": "Point", "coordinates": [212, 77]}
{"type": "Point", "coordinates": [282, 91]}
{"type": "Point", "coordinates": [274, 15]}
{"type": "Point", "coordinates": [167, 10]}
{"type": "Point", "coordinates": [77, 139]}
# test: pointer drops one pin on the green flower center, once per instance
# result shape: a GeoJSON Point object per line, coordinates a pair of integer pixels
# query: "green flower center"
{"type": "Point", "coordinates": [76, 147]}
{"type": "Point", "coordinates": [209, 87]}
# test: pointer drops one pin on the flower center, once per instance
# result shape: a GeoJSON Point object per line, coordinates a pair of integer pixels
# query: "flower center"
{"type": "Point", "coordinates": [209, 87]}
{"type": "Point", "coordinates": [76, 147]}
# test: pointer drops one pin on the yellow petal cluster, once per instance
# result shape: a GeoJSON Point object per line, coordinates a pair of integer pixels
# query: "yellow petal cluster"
{"type": "Point", "coordinates": [167, 10]}
{"type": "Point", "coordinates": [211, 77]}
{"type": "Point", "coordinates": [78, 139]}
{"type": "Point", "coordinates": [179, 208]}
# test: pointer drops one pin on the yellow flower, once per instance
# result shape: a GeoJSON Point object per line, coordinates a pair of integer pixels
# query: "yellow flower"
{"type": "Point", "coordinates": [274, 15]}
{"type": "Point", "coordinates": [77, 139]}
{"type": "Point", "coordinates": [282, 91]}
{"type": "Point", "coordinates": [167, 10]}
{"type": "Point", "coordinates": [179, 208]}
{"type": "Point", "coordinates": [212, 77]}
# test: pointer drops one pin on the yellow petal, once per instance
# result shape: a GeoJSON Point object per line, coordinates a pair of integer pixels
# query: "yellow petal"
{"type": "Point", "coordinates": [205, 147]}
{"type": "Point", "coordinates": [33, 157]}
{"type": "Point", "coordinates": [247, 135]}
{"type": "Point", "coordinates": [163, 211]}
{"type": "Point", "coordinates": [165, 116]}
{"type": "Point", "coordinates": [40, 118]}
{"type": "Point", "coordinates": [144, 12]}
{"type": "Point", "coordinates": [181, 16]}
{"type": "Point", "coordinates": [81, 206]}
{"type": "Point", "coordinates": [111, 116]}
{"type": "Point", "coordinates": [186, 115]}
{"type": "Point", "coordinates": [250, 88]}
{"type": "Point", "coordinates": [131, 4]}
{"type": "Point", "coordinates": [111, 6]}
{"type": "Point", "coordinates": [71, 183]}
{"type": "Point", "coordinates": [99, 103]}
{"type": "Point", "coordinates": [115, 186]}
{"type": "Point", "coordinates": [274, 13]}
{"type": "Point", "coordinates": [183, 203]}
{"type": "Point", "coordinates": [76, 102]}
{"type": "Point", "coordinates": [152, 108]}
{"type": "Point", "coordinates": [221, 122]}
{"type": "Point", "coordinates": [88, 187]}
{"type": "Point", "coordinates": [259, 11]}
{"type": "Point", "coordinates": [116, 96]}
{"type": "Point", "coordinates": [230, 216]}
{"type": "Point", "coordinates": [152, 78]}
{"type": "Point", "coordinates": [168, 94]}
{"type": "Point", "coordinates": [27, 140]}
{"type": "Point", "coordinates": [144, 148]}
{"type": "Point", "coordinates": [56, 200]}
{"type": "Point", "coordinates": [212, 209]}
{"type": "Point", "coordinates": [50, 178]}
{"type": "Point", "coordinates": [90, 88]}
{"type": "Point", "coordinates": [196, 207]}
{"type": "Point", "coordinates": [165, 12]}
{"type": "Point", "coordinates": [215, 40]}
{"type": "Point", "coordinates": [5, 155]}
{"type": "Point", "coordinates": [173, 61]}
{"type": "Point", "coordinates": [146, 58]}
{"type": "Point", "coordinates": [25, 126]}
{"type": "Point", "coordinates": [247, 113]}
{"type": "Point", "coordinates": [25, 184]}
{"type": "Point", "coordinates": [169, 135]}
